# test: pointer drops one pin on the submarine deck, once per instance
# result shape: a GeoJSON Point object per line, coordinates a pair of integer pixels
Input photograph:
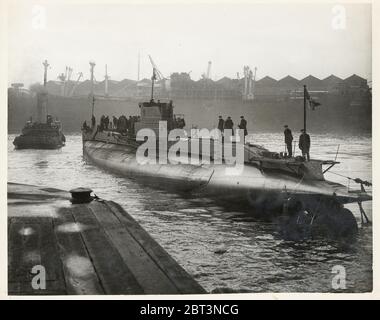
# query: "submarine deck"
{"type": "Point", "coordinates": [95, 248]}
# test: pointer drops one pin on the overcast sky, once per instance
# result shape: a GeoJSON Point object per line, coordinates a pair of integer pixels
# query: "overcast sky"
{"type": "Point", "coordinates": [279, 39]}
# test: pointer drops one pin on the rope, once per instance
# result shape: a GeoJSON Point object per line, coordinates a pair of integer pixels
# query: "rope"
{"type": "Point", "coordinates": [357, 180]}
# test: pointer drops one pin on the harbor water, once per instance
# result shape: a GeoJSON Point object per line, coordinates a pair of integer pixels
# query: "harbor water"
{"type": "Point", "coordinates": [224, 250]}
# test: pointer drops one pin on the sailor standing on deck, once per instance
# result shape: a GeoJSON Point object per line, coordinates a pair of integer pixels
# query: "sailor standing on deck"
{"type": "Point", "coordinates": [288, 140]}
{"type": "Point", "coordinates": [228, 124]}
{"type": "Point", "coordinates": [102, 122]}
{"type": "Point", "coordinates": [106, 122]}
{"type": "Point", "coordinates": [221, 124]}
{"type": "Point", "coordinates": [243, 125]}
{"type": "Point", "coordinates": [304, 144]}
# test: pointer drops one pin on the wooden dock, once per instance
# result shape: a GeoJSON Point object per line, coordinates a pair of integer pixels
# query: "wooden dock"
{"type": "Point", "coordinates": [95, 248]}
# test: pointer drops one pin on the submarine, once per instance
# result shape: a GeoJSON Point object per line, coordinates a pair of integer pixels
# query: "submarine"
{"type": "Point", "coordinates": [277, 185]}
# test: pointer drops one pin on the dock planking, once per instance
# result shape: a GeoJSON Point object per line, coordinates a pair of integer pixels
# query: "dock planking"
{"type": "Point", "coordinates": [95, 248]}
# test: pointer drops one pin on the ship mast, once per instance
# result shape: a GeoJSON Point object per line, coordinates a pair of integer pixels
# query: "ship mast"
{"type": "Point", "coordinates": [42, 110]}
{"type": "Point", "coordinates": [92, 66]}
{"type": "Point", "coordinates": [138, 66]}
{"type": "Point", "coordinates": [153, 78]}
{"type": "Point", "coordinates": [304, 108]}
{"type": "Point", "coordinates": [106, 77]}
{"type": "Point", "coordinates": [46, 65]}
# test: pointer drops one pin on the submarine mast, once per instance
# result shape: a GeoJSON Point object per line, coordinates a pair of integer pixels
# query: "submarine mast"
{"type": "Point", "coordinates": [304, 107]}
{"type": "Point", "coordinates": [92, 66]}
{"type": "Point", "coordinates": [153, 78]}
{"type": "Point", "coordinates": [42, 98]}
{"type": "Point", "coordinates": [46, 65]}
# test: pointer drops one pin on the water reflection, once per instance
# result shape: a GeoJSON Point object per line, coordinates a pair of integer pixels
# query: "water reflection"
{"type": "Point", "coordinates": [192, 228]}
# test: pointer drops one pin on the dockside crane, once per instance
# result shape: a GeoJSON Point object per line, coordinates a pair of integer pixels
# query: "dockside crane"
{"type": "Point", "coordinates": [80, 75]}
{"type": "Point", "coordinates": [208, 72]}
{"type": "Point", "coordinates": [249, 83]}
{"type": "Point", "coordinates": [62, 78]}
{"type": "Point", "coordinates": [159, 76]}
{"type": "Point", "coordinates": [158, 73]}
{"type": "Point", "coordinates": [69, 72]}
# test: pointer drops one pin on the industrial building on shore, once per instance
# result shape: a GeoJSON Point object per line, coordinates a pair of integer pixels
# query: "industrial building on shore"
{"type": "Point", "coordinates": [267, 103]}
{"type": "Point", "coordinates": [180, 85]}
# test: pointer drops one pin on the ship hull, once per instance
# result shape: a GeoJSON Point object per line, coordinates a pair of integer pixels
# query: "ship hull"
{"type": "Point", "coordinates": [27, 142]}
{"type": "Point", "coordinates": [303, 207]}
{"type": "Point", "coordinates": [250, 186]}
{"type": "Point", "coordinates": [38, 146]}
{"type": "Point", "coordinates": [40, 136]}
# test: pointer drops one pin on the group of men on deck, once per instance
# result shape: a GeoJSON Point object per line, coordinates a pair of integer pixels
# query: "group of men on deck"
{"type": "Point", "coordinates": [303, 142]}
{"type": "Point", "coordinates": [121, 124]}
{"type": "Point", "coordinates": [229, 124]}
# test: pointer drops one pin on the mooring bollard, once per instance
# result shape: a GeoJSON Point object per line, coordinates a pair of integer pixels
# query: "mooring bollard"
{"type": "Point", "coordinates": [81, 195]}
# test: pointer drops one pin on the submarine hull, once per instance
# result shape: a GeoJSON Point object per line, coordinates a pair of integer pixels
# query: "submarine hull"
{"type": "Point", "coordinates": [250, 185]}
{"type": "Point", "coordinates": [305, 207]}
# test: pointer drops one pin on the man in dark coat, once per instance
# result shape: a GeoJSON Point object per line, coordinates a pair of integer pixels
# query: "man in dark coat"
{"type": "Point", "coordinates": [243, 125]}
{"type": "Point", "coordinates": [304, 144]}
{"type": "Point", "coordinates": [122, 124]}
{"type": "Point", "coordinates": [288, 140]}
{"type": "Point", "coordinates": [85, 126]}
{"type": "Point", "coordinates": [106, 122]}
{"type": "Point", "coordinates": [228, 124]}
{"type": "Point", "coordinates": [102, 122]}
{"type": "Point", "coordinates": [130, 124]}
{"type": "Point", "coordinates": [221, 124]}
{"type": "Point", "coordinates": [181, 123]}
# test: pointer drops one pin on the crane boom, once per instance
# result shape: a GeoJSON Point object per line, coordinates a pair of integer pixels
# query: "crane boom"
{"type": "Point", "coordinates": [159, 75]}
{"type": "Point", "coordinates": [76, 84]}
{"type": "Point", "coordinates": [69, 72]}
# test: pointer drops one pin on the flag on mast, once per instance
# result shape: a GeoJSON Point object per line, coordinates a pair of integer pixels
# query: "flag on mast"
{"type": "Point", "coordinates": [312, 104]}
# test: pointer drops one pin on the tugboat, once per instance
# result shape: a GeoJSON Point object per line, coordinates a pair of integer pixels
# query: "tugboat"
{"type": "Point", "coordinates": [45, 133]}
{"type": "Point", "coordinates": [291, 187]}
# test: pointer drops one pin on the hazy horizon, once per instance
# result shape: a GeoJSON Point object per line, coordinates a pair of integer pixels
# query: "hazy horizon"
{"type": "Point", "coordinates": [279, 39]}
